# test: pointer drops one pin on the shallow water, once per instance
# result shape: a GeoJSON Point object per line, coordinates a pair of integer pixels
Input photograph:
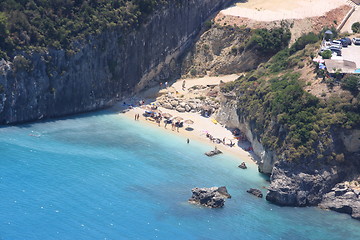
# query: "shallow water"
{"type": "Point", "coordinates": [102, 176]}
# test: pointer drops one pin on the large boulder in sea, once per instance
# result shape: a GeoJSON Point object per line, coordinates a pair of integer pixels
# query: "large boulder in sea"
{"type": "Point", "coordinates": [213, 197]}
{"type": "Point", "coordinates": [242, 165]}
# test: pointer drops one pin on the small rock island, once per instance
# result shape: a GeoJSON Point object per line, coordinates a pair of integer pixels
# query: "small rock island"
{"type": "Point", "coordinates": [213, 197]}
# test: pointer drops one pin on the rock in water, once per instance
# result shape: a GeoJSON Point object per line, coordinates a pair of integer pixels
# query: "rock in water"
{"type": "Point", "coordinates": [213, 197]}
{"type": "Point", "coordinates": [255, 192]}
{"type": "Point", "coordinates": [213, 153]}
{"type": "Point", "coordinates": [243, 165]}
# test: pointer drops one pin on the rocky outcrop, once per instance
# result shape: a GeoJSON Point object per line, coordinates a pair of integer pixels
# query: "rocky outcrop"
{"type": "Point", "coordinates": [294, 184]}
{"type": "Point", "coordinates": [192, 104]}
{"type": "Point", "coordinates": [344, 198]}
{"type": "Point", "coordinates": [104, 68]}
{"type": "Point", "coordinates": [242, 165]}
{"type": "Point", "coordinates": [229, 116]}
{"type": "Point", "coordinates": [306, 182]}
{"type": "Point", "coordinates": [213, 197]}
{"type": "Point", "coordinates": [222, 50]}
{"type": "Point", "coordinates": [255, 192]}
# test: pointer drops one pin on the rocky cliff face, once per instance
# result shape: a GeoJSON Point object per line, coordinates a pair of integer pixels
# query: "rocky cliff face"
{"type": "Point", "coordinates": [222, 50]}
{"type": "Point", "coordinates": [309, 181]}
{"type": "Point", "coordinates": [107, 67]}
{"type": "Point", "coordinates": [229, 115]}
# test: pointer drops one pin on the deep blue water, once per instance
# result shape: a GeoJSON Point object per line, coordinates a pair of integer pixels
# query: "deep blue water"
{"type": "Point", "coordinates": [102, 176]}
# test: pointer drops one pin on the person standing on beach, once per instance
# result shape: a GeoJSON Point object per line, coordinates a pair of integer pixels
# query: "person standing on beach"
{"type": "Point", "coordinates": [183, 85]}
{"type": "Point", "coordinates": [166, 84]}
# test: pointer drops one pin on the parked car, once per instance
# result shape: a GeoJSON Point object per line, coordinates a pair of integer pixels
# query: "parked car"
{"type": "Point", "coordinates": [348, 40]}
{"type": "Point", "coordinates": [336, 43]}
{"type": "Point", "coordinates": [356, 41]}
{"type": "Point", "coordinates": [344, 42]}
{"type": "Point", "coordinates": [335, 50]}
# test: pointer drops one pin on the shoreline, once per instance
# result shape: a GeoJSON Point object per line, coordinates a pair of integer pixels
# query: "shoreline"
{"type": "Point", "coordinates": [200, 127]}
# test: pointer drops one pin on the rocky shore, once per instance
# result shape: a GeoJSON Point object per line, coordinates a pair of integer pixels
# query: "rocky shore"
{"type": "Point", "coordinates": [344, 198]}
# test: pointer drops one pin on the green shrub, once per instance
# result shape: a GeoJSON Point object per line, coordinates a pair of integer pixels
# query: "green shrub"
{"type": "Point", "coordinates": [351, 83]}
{"type": "Point", "coordinates": [270, 41]}
{"type": "Point", "coordinates": [304, 40]}
{"type": "Point", "coordinates": [21, 63]}
{"type": "Point", "coordinates": [208, 24]}
{"type": "Point", "coordinates": [355, 27]}
{"type": "Point", "coordinates": [326, 54]}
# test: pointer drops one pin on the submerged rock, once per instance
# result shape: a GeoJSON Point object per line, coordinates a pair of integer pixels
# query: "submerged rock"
{"type": "Point", "coordinates": [213, 197]}
{"type": "Point", "coordinates": [255, 192]}
{"type": "Point", "coordinates": [242, 165]}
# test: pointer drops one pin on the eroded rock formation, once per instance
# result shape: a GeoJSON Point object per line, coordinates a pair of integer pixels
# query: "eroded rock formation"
{"type": "Point", "coordinates": [213, 197]}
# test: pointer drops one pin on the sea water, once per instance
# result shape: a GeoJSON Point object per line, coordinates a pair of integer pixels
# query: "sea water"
{"type": "Point", "coordinates": [103, 176]}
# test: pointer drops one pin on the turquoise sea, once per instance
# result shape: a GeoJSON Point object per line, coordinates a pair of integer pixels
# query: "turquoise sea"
{"type": "Point", "coordinates": [102, 176]}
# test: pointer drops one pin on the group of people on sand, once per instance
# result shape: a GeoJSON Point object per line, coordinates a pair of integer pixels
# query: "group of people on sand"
{"type": "Point", "coordinates": [218, 140]}
{"type": "Point", "coordinates": [174, 125]}
{"type": "Point", "coordinates": [155, 117]}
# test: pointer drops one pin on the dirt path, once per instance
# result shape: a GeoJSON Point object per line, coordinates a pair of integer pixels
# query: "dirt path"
{"type": "Point", "coordinates": [273, 10]}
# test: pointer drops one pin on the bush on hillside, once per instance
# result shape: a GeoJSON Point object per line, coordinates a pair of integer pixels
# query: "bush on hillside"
{"type": "Point", "coordinates": [270, 41]}
{"type": "Point", "coordinates": [351, 83]}
{"type": "Point", "coordinates": [304, 40]}
{"type": "Point", "coordinates": [356, 27]}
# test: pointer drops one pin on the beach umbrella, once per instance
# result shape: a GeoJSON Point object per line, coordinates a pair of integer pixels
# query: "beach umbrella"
{"type": "Point", "coordinates": [146, 107]}
{"type": "Point", "coordinates": [178, 118]}
{"type": "Point", "coordinates": [189, 121]}
{"type": "Point", "coordinates": [167, 115]}
{"type": "Point", "coordinates": [329, 32]}
{"type": "Point", "coordinates": [156, 110]}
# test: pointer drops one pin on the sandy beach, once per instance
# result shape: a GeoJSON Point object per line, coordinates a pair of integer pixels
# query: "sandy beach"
{"type": "Point", "coordinates": [273, 10]}
{"type": "Point", "coordinates": [196, 131]}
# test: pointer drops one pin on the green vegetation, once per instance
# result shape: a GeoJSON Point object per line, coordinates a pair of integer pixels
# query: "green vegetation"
{"type": "Point", "coordinates": [270, 41]}
{"type": "Point", "coordinates": [355, 27]}
{"type": "Point", "coordinates": [287, 118]}
{"type": "Point", "coordinates": [326, 54]}
{"type": "Point", "coordinates": [304, 40]}
{"type": "Point", "coordinates": [352, 84]}
{"type": "Point", "coordinates": [36, 24]}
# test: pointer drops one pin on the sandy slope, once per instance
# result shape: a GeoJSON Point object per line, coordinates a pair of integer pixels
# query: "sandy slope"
{"type": "Point", "coordinates": [272, 10]}
{"type": "Point", "coordinates": [201, 124]}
